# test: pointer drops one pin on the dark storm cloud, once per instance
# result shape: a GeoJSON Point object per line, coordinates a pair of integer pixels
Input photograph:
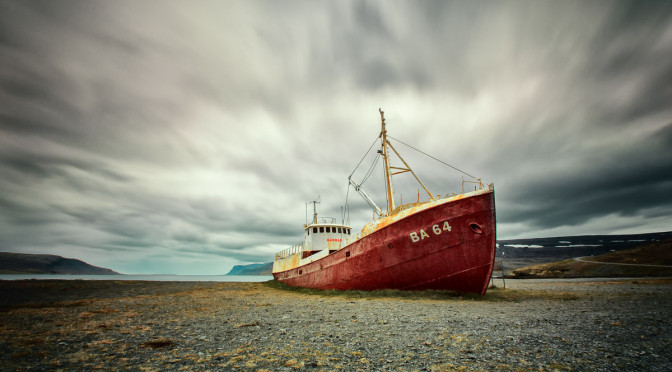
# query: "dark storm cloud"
{"type": "Point", "coordinates": [571, 188]}
{"type": "Point", "coordinates": [626, 185]}
{"type": "Point", "coordinates": [190, 140]}
{"type": "Point", "coordinates": [624, 93]}
{"type": "Point", "coordinates": [630, 51]}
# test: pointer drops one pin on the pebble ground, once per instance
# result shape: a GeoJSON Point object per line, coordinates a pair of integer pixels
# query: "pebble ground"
{"type": "Point", "coordinates": [532, 325]}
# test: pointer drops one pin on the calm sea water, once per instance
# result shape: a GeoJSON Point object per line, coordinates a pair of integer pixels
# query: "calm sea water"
{"type": "Point", "coordinates": [156, 278]}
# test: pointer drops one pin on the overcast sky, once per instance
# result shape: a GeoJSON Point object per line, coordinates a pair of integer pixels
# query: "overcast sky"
{"type": "Point", "coordinates": [186, 136]}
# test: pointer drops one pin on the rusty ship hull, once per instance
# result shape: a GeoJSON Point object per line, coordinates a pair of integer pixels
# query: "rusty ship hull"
{"type": "Point", "coordinates": [446, 245]}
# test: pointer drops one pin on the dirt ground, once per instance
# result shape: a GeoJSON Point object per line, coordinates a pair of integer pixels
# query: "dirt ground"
{"type": "Point", "coordinates": [547, 325]}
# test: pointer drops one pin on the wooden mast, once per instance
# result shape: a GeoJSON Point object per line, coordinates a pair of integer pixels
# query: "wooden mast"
{"type": "Point", "coordinates": [388, 175]}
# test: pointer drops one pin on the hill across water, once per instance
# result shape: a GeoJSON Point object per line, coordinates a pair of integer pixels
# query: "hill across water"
{"type": "Point", "coordinates": [22, 263]}
{"type": "Point", "coordinates": [252, 269]}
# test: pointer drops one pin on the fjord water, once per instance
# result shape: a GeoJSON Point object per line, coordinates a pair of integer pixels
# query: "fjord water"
{"type": "Point", "coordinates": [156, 278]}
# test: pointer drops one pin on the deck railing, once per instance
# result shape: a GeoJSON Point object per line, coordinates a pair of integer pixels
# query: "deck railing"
{"type": "Point", "coordinates": [289, 251]}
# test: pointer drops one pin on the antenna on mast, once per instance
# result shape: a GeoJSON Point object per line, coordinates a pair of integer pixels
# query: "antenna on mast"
{"type": "Point", "coordinates": [315, 202]}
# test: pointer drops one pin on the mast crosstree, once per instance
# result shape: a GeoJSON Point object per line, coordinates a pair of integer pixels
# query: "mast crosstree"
{"type": "Point", "coordinates": [388, 169]}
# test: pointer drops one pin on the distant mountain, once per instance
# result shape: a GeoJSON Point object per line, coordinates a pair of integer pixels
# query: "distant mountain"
{"type": "Point", "coordinates": [575, 246]}
{"type": "Point", "coordinates": [653, 259]}
{"type": "Point", "coordinates": [252, 269]}
{"type": "Point", "coordinates": [20, 263]}
{"type": "Point", "coordinates": [518, 253]}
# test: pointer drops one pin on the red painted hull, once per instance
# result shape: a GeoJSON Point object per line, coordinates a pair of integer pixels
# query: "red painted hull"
{"type": "Point", "coordinates": [417, 252]}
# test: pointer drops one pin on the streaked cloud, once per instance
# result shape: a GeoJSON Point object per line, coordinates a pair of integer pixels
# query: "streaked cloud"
{"type": "Point", "coordinates": [186, 137]}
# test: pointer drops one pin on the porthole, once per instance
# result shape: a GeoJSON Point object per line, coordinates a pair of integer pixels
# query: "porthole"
{"type": "Point", "coordinates": [476, 228]}
{"type": "Point", "coordinates": [347, 254]}
{"type": "Point", "coordinates": [300, 272]}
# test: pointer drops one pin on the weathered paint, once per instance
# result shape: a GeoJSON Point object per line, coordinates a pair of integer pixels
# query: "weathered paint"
{"type": "Point", "coordinates": [386, 256]}
{"type": "Point", "coordinates": [379, 224]}
{"type": "Point", "coordinates": [287, 263]}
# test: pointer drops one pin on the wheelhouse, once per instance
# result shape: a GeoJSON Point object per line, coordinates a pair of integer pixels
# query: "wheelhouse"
{"type": "Point", "coordinates": [325, 235]}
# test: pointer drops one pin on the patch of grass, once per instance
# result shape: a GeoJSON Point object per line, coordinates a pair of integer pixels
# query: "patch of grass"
{"type": "Point", "coordinates": [651, 281]}
{"type": "Point", "coordinates": [380, 293]}
{"type": "Point", "coordinates": [493, 294]}
{"type": "Point", "coordinates": [32, 341]}
{"type": "Point", "coordinates": [501, 294]}
{"type": "Point", "coordinates": [42, 305]}
{"type": "Point", "coordinates": [158, 343]}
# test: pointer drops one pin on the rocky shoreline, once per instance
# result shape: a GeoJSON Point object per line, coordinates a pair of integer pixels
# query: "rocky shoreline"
{"type": "Point", "coordinates": [532, 325]}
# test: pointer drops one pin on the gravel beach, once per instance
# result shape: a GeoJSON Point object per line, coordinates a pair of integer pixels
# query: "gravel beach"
{"type": "Point", "coordinates": [540, 325]}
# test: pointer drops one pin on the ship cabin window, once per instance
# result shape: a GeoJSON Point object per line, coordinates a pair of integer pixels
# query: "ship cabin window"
{"type": "Point", "coordinates": [328, 229]}
{"type": "Point", "coordinates": [321, 229]}
{"type": "Point", "coordinates": [348, 231]}
{"type": "Point", "coordinates": [340, 230]}
{"type": "Point", "coordinates": [308, 231]}
{"type": "Point", "coordinates": [314, 230]}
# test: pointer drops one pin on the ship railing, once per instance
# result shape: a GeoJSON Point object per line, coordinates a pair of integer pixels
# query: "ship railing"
{"type": "Point", "coordinates": [289, 251]}
{"type": "Point", "coordinates": [325, 220]}
{"type": "Point", "coordinates": [478, 182]}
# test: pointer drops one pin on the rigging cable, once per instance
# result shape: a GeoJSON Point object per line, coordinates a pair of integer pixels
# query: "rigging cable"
{"type": "Point", "coordinates": [370, 171]}
{"type": "Point", "coordinates": [440, 161]}
{"type": "Point", "coordinates": [363, 157]}
{"type": "Point", "coordinates": [346, 210]}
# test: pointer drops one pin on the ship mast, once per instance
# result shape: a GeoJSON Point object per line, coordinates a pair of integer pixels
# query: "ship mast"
{"type": "Point", "coordinates": [388, 175]}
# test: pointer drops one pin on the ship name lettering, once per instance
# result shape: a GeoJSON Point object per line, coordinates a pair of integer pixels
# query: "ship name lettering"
{"type": "Point", "coordinates": [437, 229]}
